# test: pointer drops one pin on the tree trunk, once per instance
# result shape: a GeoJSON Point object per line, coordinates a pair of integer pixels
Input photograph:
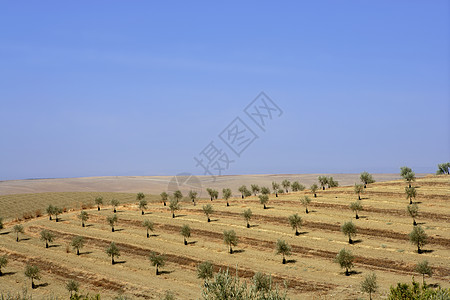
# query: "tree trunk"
{"type": "Point", "coordinates": [46, 245]}
{"type": "Point", "coordinates": [418, 249]}
{"type": "Point", "coordinates": [148, 235]}
{"type": "Point", "coordinates": [157, 273]}
{"type": "Point", "coordinates": [164, 203]}
{"type": "Point", "coordinates": [248, 225]}
{"type": "Point", "coordinates": [17, 238]}
{"type": "Point", "coordinates": [57, 220]}
{"type": "Point", "coordinates": [185, 242]}
{"type": "Point", "coordinates": [173, 215]}
{"type": "Point", "coordinates": [228, 204]}
{"type": "Point", "coordinates": [32, 283]}
{"type": "Point", "coordinates": [350, 241]}
{"type": "Point", "coordinates": [112, 260]}
{"type": "Point", "coordinates": [98, 207]}
{"type": "Point", "coordinates": [142, 212]}
{"type": "Point", "coordinates": [284, 260]}
{"type": "Point", "coordinates": [346, 272]}
{"type": "Point", "coordinates": [82, 224]}
{"type": "Point", "coordinates": [323, 188]}
{"type": "Point", "coordinates": [423, 279]}
{"type": "Point", "coordinates": [410, 201]}
{"type": "Point", "coordinates": [364, 185]}
{"type": "Point", "coordinates": [78, 251]}
{"type": "Point", "coordinates": [359, 197]}
{"type": "Point", "coordinates": [410, 185]}
{"type": "Point", "coordinates": [357, 217]}
{"type": "Point", "coordinates": [265, 206]}
{"type": "Point", "coordinates": [209, 220]}
{"type": "Point", "coordinates": [276, 194]}
{"type": "Point", "coordinates": [114, 210]}
{"type": "Point", "coordinates": [112, 229]}
{"type": "Point", "coordinates": [296, 232]}
{"type": "Point", "coordinates": [231, 250]}
{"type": "Point", "coordinates": [242, 196]}
{"type": "Point", "coordinates": [50, 218]}
{"type": "Point", "coordinates": [414, 222]}
{"type": "Point", "coordinates": [315, 196]}
{"type": "Point", "coordinates": [307, 211]}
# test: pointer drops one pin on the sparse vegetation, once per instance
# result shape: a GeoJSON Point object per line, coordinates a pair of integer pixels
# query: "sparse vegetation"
{"type": "Point", "coordinates": [423, 268]}
{"type": "Point", "coordinates": [284, 249]}
{"type": "Point", "coordinates": [331, 182]}
{"type": "Point", "coordinates": [345, 260]}
{"type": "Point", "coordinates": [415, 291]}
{"type": "Point", "coordinates": [50, 211]}
{"type": "Point", "coordinates": [205, 270]}
{"type": "Point", "coordinates": [255, 189]}
{"type": "Point", "coordinates": [323, 181]}
{"type": "Point", "coordinates": [410, 177]}
{"type": "Point", "coordinates": [3, 263]}
{"type": "Point", "coordinates": [72, 286]}
{"type": "Point", "coordinates": [177, 195]}
{"type": "Point", "coordinates": [296, 186]}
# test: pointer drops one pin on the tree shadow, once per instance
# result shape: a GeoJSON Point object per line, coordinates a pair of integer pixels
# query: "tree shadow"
{"type": "Point", "coordinates": [256, 225]}
{"type": "Point", "coordinates": [357, 241]}
{"type": "Point", "coordinates": [434, 285]}
{"type": "Point", "coordinates": [120, 262]}
{"type": "Point", "coordinates": [165, 272]}
{"type": "Point", "coordinates": [86, 253]}
{"type": "Point", "coordinates": [421, 223]}
{"type": "Point", "coordinates": [291, 261]}
{"type": "Point", "coordinates": [88, 225]}
{"type": "Point", "coordinates": [417, 202]}
{"type": "Point", "coordinates": [3, 233]}
{"type": "Point", "coordinates": [353, 272]}
{"type": "Point", "coordinates": [8, 273]}
{"type": "Point", "coordinates": [312, 211]}
{"type": "Point", "coordinates": [120, 229]}
{"type": "Point", "coordinates": [54, 246]}
{"type": "Point", "coordinates": [179, 216]}
{"type": "Point", "coordinates": [155, 235]}
{"type": "Point", "coordinates": [147, 213]}
{"type": "Point", "coordinates": [364, 198]}
{"type": "Point", "coordinates": [269, 207]}
{"type": "Point", "coordinates": [363, 217]}
{"type": "Point", "coordinates": [213, 220]}
{"type": "Point", "coordinates": [24, 239]}
{"type": "Point", "coordinates": [301, 233]}
{"type": "Point", "coordinates": [426, 251]}
{"type": "Point", "coordinates": [239, 251]}
{"type": "Point", "coordinates": [40, 285]}
{"type": "Point", "coordinates": [192, 243]}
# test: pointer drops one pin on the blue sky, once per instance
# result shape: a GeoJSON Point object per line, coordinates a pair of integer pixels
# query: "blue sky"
{"type": "Point", "coordinates": [92, 88]}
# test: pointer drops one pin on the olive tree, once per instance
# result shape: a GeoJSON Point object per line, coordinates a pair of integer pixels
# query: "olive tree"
{"type": "Point", "coordinates": [226, 195]}
{"type": "Point", "coordinates": [208, 210]}
{"type": "Point", "coordinates": [193, 196]}
{"type": "Point", "coordinates": [423, 268]}
{"type": "Point", "coordinates": [264, 199]}
{"type": "Point", "coordinates": [3, 263]}
{"type": "Point", "coordinates": [265, 190]}
{"type": "Point", "coordinates": [148, 225]}
{"type": "Point", "coordinates": [158, 261]}
{"type": "Point", "coordinates": [185, 232]}
{"type": "Point", "coordinates": [98, 201]}
{"type": "Point", "coordinates": [174, 205]}
{"type": "Point", "coordinates": [356, 207]}
{"type": "Point", "coordinates": [275, 187]}
{"type": "Point", "coordinates": [230, 239]}
{"type": "Point", "coordinates": [47, 237]}
{"type": "Point", "coordinates": [369, 285]}
{"type": "Point", "coordinates": [211, 193]}
{"type": "Point", "coordinates": [115, 203]}
{"type": "Point", "coordinates": [142, 202]}
{"type": "Point", "coordinates": [296, 222]}
{"type": "Point", "coordinates": [83, 216]}
{"type": "Point", "coordinates": [410, 193]}
{"type": "Point", "coordinates": [296, 186]}
{"type": "Point", "coordinates": [418, 237]}
{"type": "Point", "coordinates": [305, 201]}
{"type": "Point", "coordinates": [413, 211]}
{"type": "Point", "coordinates": [443, 168]}
{"type": "Point", "coordinates": [349, 229]}
{"type": "Point", "coordinates": [18, 229]}
{"type": "Point", "coordinates": [50, 211]}
{"type": "Point", "coordinates": [331, 182]}
{"type": "Point", "coordinates": [314, 187]}
{"type": "Point", "coordinates": [255, 189]}
{"type": "Point", "coordinates": [177, 195]}
{"type": "Point", "coordinates": [404, 170]}
{"type": "Point", "coordinates": [286, 184]}
{"type": "Point", "coordinates": [1, 223]}
{"type": "Point", "coordinates": [78, 243]}
{"type": "Point", "coordinates": [205, 270]}
{"type": "Point", "coordinates": [33, 273]}
{"type": "Point", "coordinates": [247, 216]}
{"type": "Point", "coordinates": [57, 211]}
{"type": "Point", "coordinates": [358, 188]}
{"type": "Point", "coordinates": [284, 249]}
{"type": "Point", "coordinates": [345, 260]}
{"type": "Point", "coordinates": [112, 220]}
{"type": "Point", "coordinates": [72, 286]}
{"type": "Point", "coordinates": [164, 197]}
{"type": "Point", "coordinates": [410, 177]}
{"type": "Point", "coordinates": [244, 191]}
{"type": "Point", "coordinates": [323, 180]}
{"type": "Point", "coordinates": [112, 251]}
{"type": "Point", "coordinates": [366, 178]}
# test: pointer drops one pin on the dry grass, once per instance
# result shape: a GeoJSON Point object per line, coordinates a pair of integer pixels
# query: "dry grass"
{"type": "Point", "coordinates": [383, 246]}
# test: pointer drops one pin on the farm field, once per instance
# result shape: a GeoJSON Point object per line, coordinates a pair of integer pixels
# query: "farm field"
{"type": "Point", "coordinates": [381, 245]}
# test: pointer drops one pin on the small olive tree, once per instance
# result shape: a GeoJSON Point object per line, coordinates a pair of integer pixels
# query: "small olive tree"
{"type": "Point", "coordinates": [305, 201]}
{"type": "Point", "coordinates": [193, 196]}
{"type": "Point", "coordinates": [177, 195]}
{"type": "Point", "coordinates": [314, 187]}
{"type": "Point", "coordinates": [185, 232]}
{"type": "Point", "coordinates": [356, 207]}
{"type": "Point", "coordinates": [83, 216]}
{"type": "Point", "coordinates": [265, 190]}
{"type": "Point", "coordinates": [230, 238]}
{"type": "Point", "coordinates": [423, 268]}
{"type": "Point", "coordinates": [50, 211]}
{"type": "Point", "coordinates": [349, 229]}
{"type": "Point", "coordinates": [174, 205]}
{"type": "Point", "coordinates": [366, 178]}
{"type": "Point", "coordinates": [205, 270]}
{"type": "Point", "coordinates": [142, 202]}
{"type": "Point", "coordinates": [358, 188]}
{"type": "Point", "coordinates": [164, 197]}
{"type": "Point", "coordinates": [33, 273]}
{"type": "Point", "coordinates": [410, 177]}
{"type": "Point", "coordinates": [247, 216]}
{"type": "Point", "coordinates": [112, 251]}
{"type": "Point", "coordinates": [3, 263]}
{"type": "Point", "coordinates": [264, 199]}
{"type": "Point", "coordinates": [369, 285]}
{"type": "Point", "coordinates": [99, 201]}
{"type": "Point", "coordinates": [286, 184]}
{"type": "Point", "coordinates": [78, 243]}
{"type": "Point", "coordinates": [72, 286]}
{"type": "Point", "coordinates": [418, 237]}
{"type": "Point", "coordinates": [18, 229]}
{"type": "Point", "coordinates": [255, 189]}
{"type": "Point", "coordinates": [158, 261]}
{"type": "Point", "coordinates": [148, 225]}
{"type": "Point", "coordinates": [47, 237]}
{"type": "Point", "coordinates": [345, 260]}
{"type": "Point", "coordinates": [275, 187]}
{"type": "Point", "coordinates": [226, 195]}
{"type": "Point", "coordinates": [410, 193]}
{"type": "Point", "coordinates": [115, 203]}
{"type": "Point", "coordinates": [208, 210]}
{"type": "Point", "coordinates": [413, 211]}
{"type": "Point", "coordinates": [296, 222]}
{"type": "Point", "coordinates": [284, 249]}
{"type": "Point", "coordinates": [323, 180]}
{"type": "Point", "coordinates": [112, 220]}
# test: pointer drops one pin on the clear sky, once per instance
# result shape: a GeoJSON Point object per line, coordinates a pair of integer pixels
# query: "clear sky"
{"type": "Point", "coordinates": [93, 88]}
